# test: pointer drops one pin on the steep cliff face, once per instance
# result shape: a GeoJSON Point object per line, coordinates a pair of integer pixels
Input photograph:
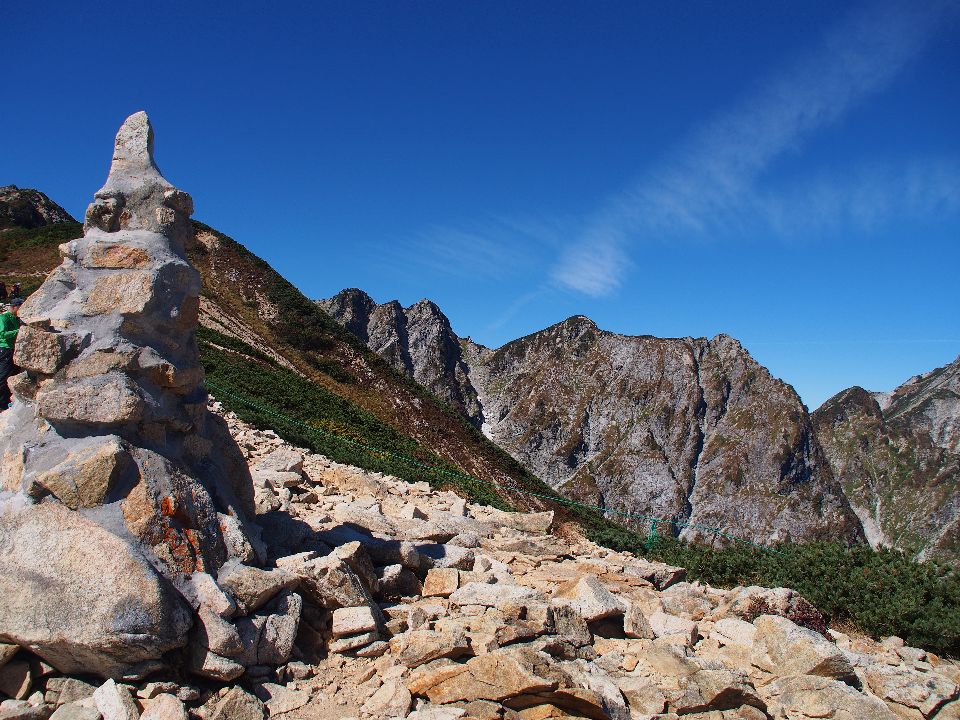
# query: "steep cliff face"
{"type": "Point", "coordinates": [418, 341]}
{"type": "Point", "coordinates": [896, 456]}
{"type": "Point", "coordinates": [687, 429]}
{"type": "Point", "coordinates": [684, 429]}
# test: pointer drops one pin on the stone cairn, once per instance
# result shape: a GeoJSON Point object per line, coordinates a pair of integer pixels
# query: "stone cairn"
{"type": "Point", "coordinates": [121, 495]}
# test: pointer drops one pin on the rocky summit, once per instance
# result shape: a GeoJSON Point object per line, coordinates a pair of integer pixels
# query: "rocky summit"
{"type": "Point", "coordinates": [689, 430]}
{"type": "Point", "coordinates": [113, 472]}
{"type": "Point", "coordinates": [897, 456]}
{"type": "Point", "coordinates": [418, 341]}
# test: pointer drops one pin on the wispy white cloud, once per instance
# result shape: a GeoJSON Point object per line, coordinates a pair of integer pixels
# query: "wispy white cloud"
{"type": "Point", "coordinates": [865, 197]}
{"type": "Point", "coordinates": [595, 262]}
{"type": "Point", "coordinates": [708, 186]}
{"type": "Point", "coordinates": [494, 248]}
{"type": "Point", "coordinates": [517, 305]}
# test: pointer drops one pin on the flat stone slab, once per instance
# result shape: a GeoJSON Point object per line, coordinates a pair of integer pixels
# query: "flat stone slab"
{"type": "Point", "coordinates": [353, 621]}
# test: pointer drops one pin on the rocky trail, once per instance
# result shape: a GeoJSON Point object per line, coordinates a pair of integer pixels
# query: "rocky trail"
{"type": "Point", "coordinates": [385, 599]}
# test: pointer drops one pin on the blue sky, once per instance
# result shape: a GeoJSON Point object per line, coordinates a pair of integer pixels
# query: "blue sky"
{"type": "Point", "coordinates": [787, 173]}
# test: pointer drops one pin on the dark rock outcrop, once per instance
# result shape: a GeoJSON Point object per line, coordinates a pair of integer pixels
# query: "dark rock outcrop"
{"type": "Point", "coordinates": [25, 208]}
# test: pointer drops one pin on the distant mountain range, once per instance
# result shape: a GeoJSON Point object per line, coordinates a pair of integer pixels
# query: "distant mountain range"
{"type": "Point", "coordinates": [688, 429]}
{"type": "Point", "coordinates": [693, 430]}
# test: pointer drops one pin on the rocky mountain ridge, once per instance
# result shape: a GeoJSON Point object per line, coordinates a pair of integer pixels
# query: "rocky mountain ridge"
{"type": "Point", "coordinates": [896, 455]}
{"type": "Point", "coordinates": [892, 456]}
{"type": "Point", "coordinates": [928, 403]}
{"type": "Point", "coordinates": [26, 208]}
{"type": "Point", "coordinates": [418, 341]}
{"type": "Point", "coordinates": [688, 430]}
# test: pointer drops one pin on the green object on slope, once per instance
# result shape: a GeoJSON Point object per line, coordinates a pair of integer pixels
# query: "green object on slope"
{"type": "Point", "coordinates": [9, 326]}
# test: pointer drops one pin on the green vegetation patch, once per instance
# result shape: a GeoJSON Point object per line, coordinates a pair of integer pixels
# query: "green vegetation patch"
{"type": "Point", "coordinates": [209, 336]}
{"type": "Point", "coordinates": [882, 592]}
{"type": "Point", "coordinates": [22, 238]}
{"type": "Point", "coordinates": [27, 254]}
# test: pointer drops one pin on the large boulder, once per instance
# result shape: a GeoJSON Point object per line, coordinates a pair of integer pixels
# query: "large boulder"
{"type": "Point", "coordinates": [810, 697]}
{"type": "Point", "coordinates": [589, 597]}
{"type": "Point", "coordinates": [56, 566]}
{"type": "Point", "coordinates": [496, 676]}
{"type": "Point", "coordinates": [925, 692]}
{"type": "Point", "coordinates": [784, 648]}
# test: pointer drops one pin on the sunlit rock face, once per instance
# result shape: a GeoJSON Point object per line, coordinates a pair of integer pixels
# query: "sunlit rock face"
{"type": "Point", "coordinates": [687, 429]}
{"type": "Point", "coordinates": [418, 341]}
{"type": "Point", "coordinates": [684, 429]}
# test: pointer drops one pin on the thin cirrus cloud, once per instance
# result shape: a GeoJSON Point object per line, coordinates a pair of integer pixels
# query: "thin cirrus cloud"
{"type": "Point", "coordinates": [865, 198]}
{"type": "Point", "coordinates": [493, 248]}
{"type": "Point", "coordinates": [708, 186]}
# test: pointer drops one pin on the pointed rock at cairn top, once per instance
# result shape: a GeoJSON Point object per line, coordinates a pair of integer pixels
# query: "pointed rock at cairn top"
{"type": "Point", "coordinates": [133, 148]}
{"type": "Point", "coordinates": [136, 196]}
{"type": "Point", "coordinates": [133, 162]}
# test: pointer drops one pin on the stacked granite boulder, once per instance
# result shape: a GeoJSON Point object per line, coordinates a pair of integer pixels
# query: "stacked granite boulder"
{"type": "Point", "coordinates": [121, 495]}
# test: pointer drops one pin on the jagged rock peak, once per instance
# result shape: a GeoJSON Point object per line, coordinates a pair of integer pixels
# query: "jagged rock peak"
{"type": "Point", "coordinates": [429, 306]}
{"type": "Point", "coordinates": [417, 340]}
{"type": "Point", "coordinates": [351, 307]}
{"type": "Point", "coordinates": [897, 455]}
{"type": "Point", "coordinates": [579, 322]}
{"type": "Point", "coordinates": [354, 295]}
{"type": "Point", "coordinates": [133, 147]}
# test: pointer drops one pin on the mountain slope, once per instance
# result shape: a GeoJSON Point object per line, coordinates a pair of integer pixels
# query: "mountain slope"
{"type": "Point", "coordinates": [896, 455]}
{"type": "Point", "coordinates": [244, 298]}
{"type": "Point", "coordinates": [929, 404]}
{"type": "Point", "coordinates": [31, 227]}
{"type": "Point", "coordinates": [684, 429]}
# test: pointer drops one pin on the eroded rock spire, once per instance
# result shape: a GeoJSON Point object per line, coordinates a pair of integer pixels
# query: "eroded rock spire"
{"type": "Point", "coordinates": [133, 147]}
